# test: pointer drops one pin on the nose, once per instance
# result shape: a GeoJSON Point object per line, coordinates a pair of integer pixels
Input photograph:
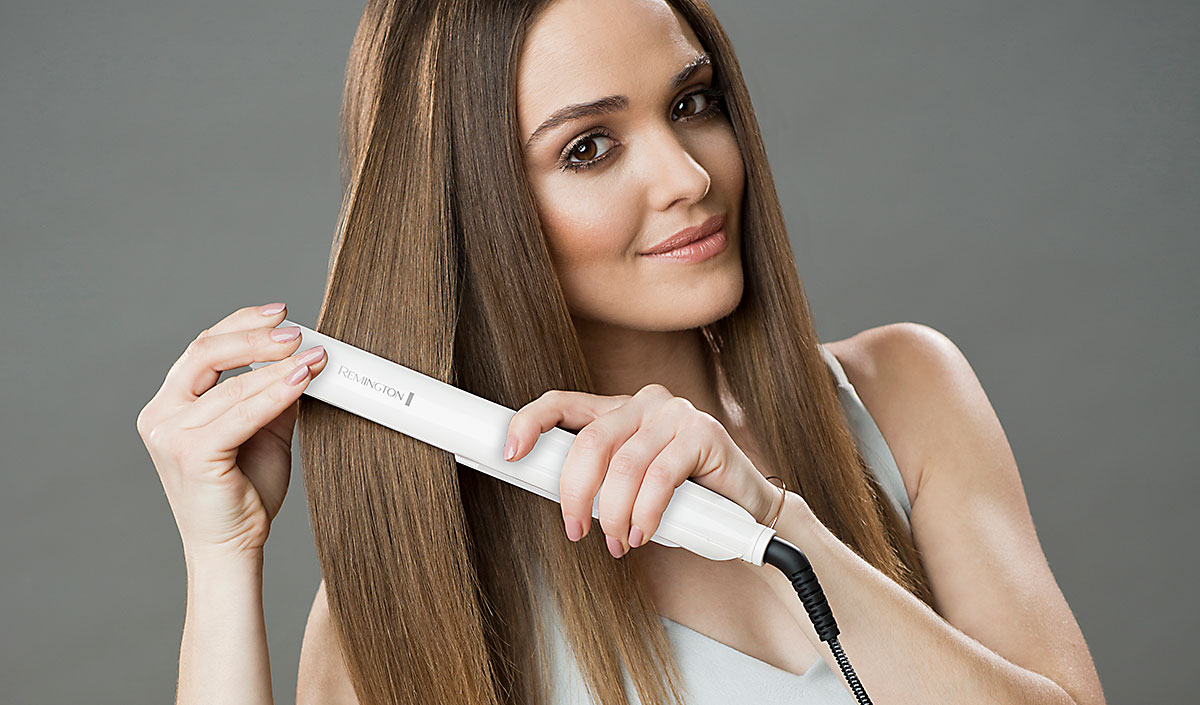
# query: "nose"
{"type": "Point", "coordinates": [673, 173]}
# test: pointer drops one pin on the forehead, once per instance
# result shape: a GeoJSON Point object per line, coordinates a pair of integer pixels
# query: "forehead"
{"type": "Point", "coordinates": [580, 50]}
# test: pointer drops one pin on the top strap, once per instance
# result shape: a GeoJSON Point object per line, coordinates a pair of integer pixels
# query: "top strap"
{"type": "Point", "coordinates": [871, 443]}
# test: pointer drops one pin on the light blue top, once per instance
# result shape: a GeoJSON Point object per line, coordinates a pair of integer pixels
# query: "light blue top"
{"type": "Point", "coordinates": [717, 674]}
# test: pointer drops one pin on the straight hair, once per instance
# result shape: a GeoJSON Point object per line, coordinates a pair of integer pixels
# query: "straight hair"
{"type": "Point", "coordinates": [435, 572]}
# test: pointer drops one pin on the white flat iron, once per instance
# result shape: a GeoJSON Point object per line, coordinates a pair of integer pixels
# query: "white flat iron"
{"type": "Point", "coordinates": [474, 430]}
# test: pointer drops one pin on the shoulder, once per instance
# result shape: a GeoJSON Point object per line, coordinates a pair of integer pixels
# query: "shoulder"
{"type": "Point", "coordinates": [908, 375]}
{"type": "Point", "coordinates": [970, 521]}
{"type": "Point", "coordinates": [322, 676]}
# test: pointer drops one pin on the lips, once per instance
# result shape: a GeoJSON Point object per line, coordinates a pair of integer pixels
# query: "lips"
{"type": "Point", "coordinates": [688, 235]}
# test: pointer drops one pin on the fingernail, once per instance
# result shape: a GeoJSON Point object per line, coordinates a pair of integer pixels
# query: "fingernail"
{"type": "Point", "coordinates": [510, 448]}
{"type": "Point", "coordinates": [298, 375]}
{"type": "Point", "coordinates": [615, 547]}
{"type": "Point", "coordinates": [311, 355]}
{"type": "Point", "coordinates": [271, 309]}
{"type": "Point", "coordinates": [574, 528]}
{"type": "Point", "coordinates": [282, 335]}
{"type": "Point", "coordinates": [635, 537]}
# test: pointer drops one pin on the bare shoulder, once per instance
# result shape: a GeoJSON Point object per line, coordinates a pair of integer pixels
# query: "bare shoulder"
{"type": "Point", "coordinates": [970, 519]}
{"type": "Point", "coordinates": [322, 677]}
{"type": "Point", "coordinates": [893, 367]}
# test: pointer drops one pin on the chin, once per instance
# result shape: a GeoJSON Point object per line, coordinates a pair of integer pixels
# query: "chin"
{"type": "Point", "coordinates": [684, 307]}
{"type": "Point", "coordinates": [688, 300]}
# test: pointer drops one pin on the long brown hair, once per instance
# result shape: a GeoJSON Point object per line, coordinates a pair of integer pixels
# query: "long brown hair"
{"type": "Point", "coordinates": [440, 264]}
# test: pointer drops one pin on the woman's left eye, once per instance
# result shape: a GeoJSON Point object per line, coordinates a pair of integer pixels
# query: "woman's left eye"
{"type": "Point", "coordinates": [710, 105]}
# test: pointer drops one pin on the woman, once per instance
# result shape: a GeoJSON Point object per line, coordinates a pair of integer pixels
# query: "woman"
{"type": "Point", "coordinates": [498, 236]}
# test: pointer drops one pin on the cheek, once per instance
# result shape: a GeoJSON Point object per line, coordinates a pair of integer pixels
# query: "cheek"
{"type": "Point", "coordinates": [591, 233]}
{"type": "Point", "coordinates": [725, 165]}
{"type": "Point", "coordinates": [587, 226]}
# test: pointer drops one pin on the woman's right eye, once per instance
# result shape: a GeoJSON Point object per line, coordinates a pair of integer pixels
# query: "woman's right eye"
{"type": "Point", "coordinates": [579, 148]}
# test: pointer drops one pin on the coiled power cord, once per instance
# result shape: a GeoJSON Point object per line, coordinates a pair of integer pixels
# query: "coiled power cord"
{"type": "Point", "coordinates": [794, 564]}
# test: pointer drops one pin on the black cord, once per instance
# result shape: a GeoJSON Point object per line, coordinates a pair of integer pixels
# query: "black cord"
{"type": "Point", "coordinates": [794, 564]}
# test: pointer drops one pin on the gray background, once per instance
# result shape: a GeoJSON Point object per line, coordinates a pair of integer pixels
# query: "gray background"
{"type": "Point", "coordinates": [1021, 176]}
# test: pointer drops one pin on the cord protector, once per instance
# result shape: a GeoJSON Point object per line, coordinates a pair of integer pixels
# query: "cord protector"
{"type": "Point", "coordinates": [792, 562]}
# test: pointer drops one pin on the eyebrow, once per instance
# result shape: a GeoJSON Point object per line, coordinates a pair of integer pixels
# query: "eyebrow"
{"type": "Point", "coordinates": [611, 103]}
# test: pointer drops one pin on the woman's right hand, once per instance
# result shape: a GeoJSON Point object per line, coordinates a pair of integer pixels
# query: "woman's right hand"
{"type": "Point", "coordinates": [224, 452]}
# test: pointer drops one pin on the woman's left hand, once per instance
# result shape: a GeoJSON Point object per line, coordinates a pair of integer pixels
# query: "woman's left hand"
{"type": "Point", "coordinates": [636, 449]}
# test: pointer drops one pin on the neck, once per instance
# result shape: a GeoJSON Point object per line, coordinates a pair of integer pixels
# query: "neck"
{"type": "Point", "coordinates": [623, 360]}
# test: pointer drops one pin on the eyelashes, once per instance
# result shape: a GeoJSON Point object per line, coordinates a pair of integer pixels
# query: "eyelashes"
{"type": "Point", "coordinates": [713, 96]}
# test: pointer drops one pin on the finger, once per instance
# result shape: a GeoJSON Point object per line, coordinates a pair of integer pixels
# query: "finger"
{"type": "Point", "coordinates": [208, 356]}
{"type": "Point", "coordinates": [235, 390]}
{"type": "Point", "coordinates": [624, 477]}
{"type": "Point", "coordinates": [249, 317]}
{"type": "Point", "coordinates": [243, 420]}
{"type": "Point", "coordinates": [670, 469]}
{"type": "Point", "coordinates": [556, 407]}
{"type": "Point", "coordinates": [240, 338]}
{"type": "Point", "coordinates": [588, 458]}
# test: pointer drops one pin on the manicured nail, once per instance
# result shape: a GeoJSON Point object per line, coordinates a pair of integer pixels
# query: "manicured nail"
{"type": "Point", "coordinates": [271, 309]}
{"type": "Point", "coordinates": [311, 355]}
{"type": "Point", "coordinates": [614, 547]}
{"type": "Point", "coordinates": [574, 528]}
{"type": "Point", "coordinates": [282, 335]}
{"type": "Point", "coordinates": [298, 375]}
{"type": "Point", "coordinates": [635, 537]}
{"type": "Point", "coordinates": [510, 448]}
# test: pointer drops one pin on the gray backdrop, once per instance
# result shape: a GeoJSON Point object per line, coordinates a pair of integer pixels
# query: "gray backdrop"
{"type": "Point", "coordinates": [1021, 176]}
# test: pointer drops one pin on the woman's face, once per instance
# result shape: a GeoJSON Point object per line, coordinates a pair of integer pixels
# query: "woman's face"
{"type": "Point", "coordinates": [612, 185]}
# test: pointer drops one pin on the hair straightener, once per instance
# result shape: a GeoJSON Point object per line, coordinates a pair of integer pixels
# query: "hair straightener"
{"type": "Point", "coordinates": [473, 429]}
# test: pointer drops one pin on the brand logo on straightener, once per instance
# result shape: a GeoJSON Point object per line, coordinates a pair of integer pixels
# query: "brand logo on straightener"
{"type": "Point", "coordinates": [378, 386]}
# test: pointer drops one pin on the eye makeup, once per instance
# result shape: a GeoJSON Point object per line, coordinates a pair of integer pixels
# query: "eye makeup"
{"type": "Point", "coordinates": [713, 95]}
